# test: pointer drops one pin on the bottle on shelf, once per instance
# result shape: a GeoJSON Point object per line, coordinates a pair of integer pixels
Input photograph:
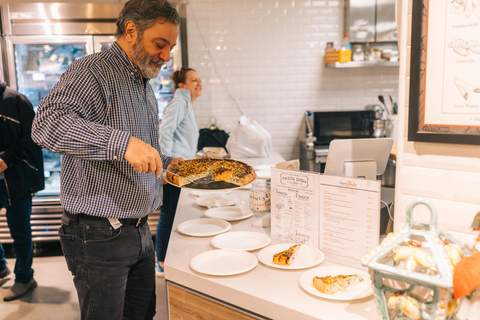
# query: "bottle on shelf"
{"type": "Point", "coordinates": [345, 49]}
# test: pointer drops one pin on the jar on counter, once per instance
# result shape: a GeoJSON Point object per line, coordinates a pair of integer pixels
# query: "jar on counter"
{"type": "Point", "coordinates": [259, 198]}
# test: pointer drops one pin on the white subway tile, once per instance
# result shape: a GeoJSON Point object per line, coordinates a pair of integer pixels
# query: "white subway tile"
{"type": "Point", "coordinates": [425, 182]}
{"type": "Point", "coordinates": [452, 215]}
{"type": "Point", "coordinates": [464, 187]}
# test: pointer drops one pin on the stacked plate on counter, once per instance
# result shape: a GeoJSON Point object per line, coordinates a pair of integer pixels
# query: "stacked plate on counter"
{"type": "Point", "coordinates": [233, 256]}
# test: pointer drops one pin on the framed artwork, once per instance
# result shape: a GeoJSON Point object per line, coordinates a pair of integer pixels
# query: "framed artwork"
{"type": "Point", "coordinates": [444, 102]}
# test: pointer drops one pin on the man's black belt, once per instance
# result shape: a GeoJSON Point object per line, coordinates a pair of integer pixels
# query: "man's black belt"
{"type": "Point", "coordinates": [137, 222]}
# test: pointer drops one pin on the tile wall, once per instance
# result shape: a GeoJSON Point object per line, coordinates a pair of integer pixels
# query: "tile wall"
{"type": "Point", "coordinates": [267, 56]}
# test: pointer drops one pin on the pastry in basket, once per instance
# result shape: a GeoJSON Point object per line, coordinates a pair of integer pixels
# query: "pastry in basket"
{"type": "Point", "coordinates": [332, 284]}
{"type": "Point", "coordinates": [211, 170]}
{"type": "Point", "coordinates": [286, 257]}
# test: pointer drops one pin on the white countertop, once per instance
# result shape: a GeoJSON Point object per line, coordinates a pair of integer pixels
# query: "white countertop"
{"type": "Point", "coordinates": [271, 292]}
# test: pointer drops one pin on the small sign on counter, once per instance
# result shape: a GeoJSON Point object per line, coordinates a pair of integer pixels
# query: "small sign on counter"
{"type": "Point", "coordinates": [338, 215]}
{"type": "Point", "coordinates": [295, 203]}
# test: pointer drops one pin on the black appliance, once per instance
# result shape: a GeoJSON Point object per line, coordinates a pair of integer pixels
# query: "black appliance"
{"type": "Point", "coordinates": [324, 126]}
{"type": "Point", "coordinates": [328, 126]}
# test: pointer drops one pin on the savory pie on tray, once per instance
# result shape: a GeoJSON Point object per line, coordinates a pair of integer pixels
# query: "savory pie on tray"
{"type": "Point", "coordinates": [211, 174]}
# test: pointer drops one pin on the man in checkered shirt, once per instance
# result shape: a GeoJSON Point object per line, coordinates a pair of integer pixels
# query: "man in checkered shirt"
{"type": "Point", "coordinates": [102, 116]}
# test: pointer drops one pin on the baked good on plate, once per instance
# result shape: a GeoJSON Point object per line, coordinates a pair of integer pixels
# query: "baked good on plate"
{"type": "Point", "coordinates": [330, 285]}
{"type": "Point", "coordinates": [228, 170]}
{"type": "Point", "coordinates": [286, 257]}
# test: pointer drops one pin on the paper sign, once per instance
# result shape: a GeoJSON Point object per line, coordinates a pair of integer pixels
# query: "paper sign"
{"type": "Point", "coordinates": [349, 218]}
{"type": "Point", "coordinates": [338, 215]}
{"type": "Point", "coordinates": [295, 195]}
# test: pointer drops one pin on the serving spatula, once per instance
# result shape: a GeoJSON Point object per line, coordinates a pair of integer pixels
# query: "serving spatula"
{"type": "Point", "coordinates": [191, 181]}
{"type": "Point", "coordinates": [205, 180]}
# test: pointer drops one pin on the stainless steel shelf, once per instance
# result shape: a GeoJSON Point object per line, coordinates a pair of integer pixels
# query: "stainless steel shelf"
{"type": "Point", "coordinates": [362, 64]}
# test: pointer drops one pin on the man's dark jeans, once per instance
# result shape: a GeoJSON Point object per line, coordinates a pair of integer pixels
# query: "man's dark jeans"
{"type": "Point", "coordinates": [18, 219]}
{"type": "Point", "coordinates": [113, 269]}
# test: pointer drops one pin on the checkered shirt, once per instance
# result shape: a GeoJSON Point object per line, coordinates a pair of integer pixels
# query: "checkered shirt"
{"type": "Point", "coordinates": [88, 117]}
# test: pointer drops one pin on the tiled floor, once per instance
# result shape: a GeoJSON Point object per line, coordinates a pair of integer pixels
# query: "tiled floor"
{"type": "Point", "coordinates": [55, 297]}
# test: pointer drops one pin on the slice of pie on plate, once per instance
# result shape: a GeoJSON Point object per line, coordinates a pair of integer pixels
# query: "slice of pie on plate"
{"type": "Point", "coordinates": [286, 257]}
{"type": "Point", "coordinates": [333, 284]}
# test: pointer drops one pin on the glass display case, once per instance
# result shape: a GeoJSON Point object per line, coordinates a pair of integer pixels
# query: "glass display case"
{"type": "Point", "coordinates": [38, 64]}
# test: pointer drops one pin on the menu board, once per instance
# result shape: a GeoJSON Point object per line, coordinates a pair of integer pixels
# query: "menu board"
{"type": "Point", "coordinates": [295, 204]}
{"type": "Point", "coordinates": [338, 215]}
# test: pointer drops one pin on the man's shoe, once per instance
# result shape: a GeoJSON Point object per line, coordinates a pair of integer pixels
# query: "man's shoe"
{"type": "Point", "coordinates": [18, 290]}
{"type": "Point", "coordinates": [159, 270]}
{"type": "Point", "coordinates": [5, 272]}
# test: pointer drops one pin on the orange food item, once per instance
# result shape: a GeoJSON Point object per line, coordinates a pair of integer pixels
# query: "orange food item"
{"type": "Point", "coordinates": [466, 275]}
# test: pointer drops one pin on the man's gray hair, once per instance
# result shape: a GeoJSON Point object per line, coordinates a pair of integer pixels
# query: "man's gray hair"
{"type": "Point", "coordinates": [144, 13]}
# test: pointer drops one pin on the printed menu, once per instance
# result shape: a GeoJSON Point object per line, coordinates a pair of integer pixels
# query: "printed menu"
{"type": "Point", "coordinates": [338, 215]}
{"type": "Point", "coordinates": [295, 202]}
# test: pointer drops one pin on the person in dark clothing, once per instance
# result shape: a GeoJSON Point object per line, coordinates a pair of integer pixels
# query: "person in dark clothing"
{"type": "Point", "coordinates": [21, 175]}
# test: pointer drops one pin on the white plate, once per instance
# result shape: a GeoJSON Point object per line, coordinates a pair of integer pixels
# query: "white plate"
{"type": "Point", "coordinates": [223, 262]}
{"type": "Point", "coordinates": [203, 227]}
{"type": "Point", "coordinates": [263, 167]}
{"type": "Point", "coordinates": [307, 256]}
{"type": "Point", "coordinates": [358, 291]}
{"type": "Point", "coordinates": [215, 200]}
{"type": "Point", "coordinates": [241, 240]}
{"type": "Point", "coordinates": [199, 193]}
{"type": "Point", "coordinates": [263, 174]}
{"type": "Point", "coordinates": [229, 213]}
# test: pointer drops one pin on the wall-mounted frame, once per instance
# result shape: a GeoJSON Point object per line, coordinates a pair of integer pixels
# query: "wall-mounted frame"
{"type": "Point", "coordinates": [444, 102]}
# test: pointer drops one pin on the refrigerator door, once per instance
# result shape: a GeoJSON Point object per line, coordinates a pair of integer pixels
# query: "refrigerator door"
{"type": "Point", "coordinates": [36, 64]}
{"type": "Point", "coordinates": [101, 43]}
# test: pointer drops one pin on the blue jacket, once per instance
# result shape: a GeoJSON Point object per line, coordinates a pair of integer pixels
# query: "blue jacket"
{"type": "Point", "coordinates": [179, 130]}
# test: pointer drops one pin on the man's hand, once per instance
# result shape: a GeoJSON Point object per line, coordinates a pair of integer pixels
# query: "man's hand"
{"type": "Point", "coordinates": [143, 157]}
{"type": "Point", "coordinates": [3, 165]}
{"type": "Point", "coordinates": [172, 163]}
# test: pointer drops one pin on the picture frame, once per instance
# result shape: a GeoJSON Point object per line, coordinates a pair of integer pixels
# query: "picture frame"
{"type": "Point", "coordinates": [425, 87]}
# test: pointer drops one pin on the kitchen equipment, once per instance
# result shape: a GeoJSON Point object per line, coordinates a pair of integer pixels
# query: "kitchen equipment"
{"type": "Point", "coordinates": [330, 125]}
{"type": "Point", "coordinates": [379, 110]}
{"type": "Point", "coordinates": [393, 105]}
{"type": "Point", "coordinates": [379, 128]}
{"type": "Point", "coordinates": [371, 21]}
{"type": "Point", "coordinates": [310, 138]}
{"type": "Point", "coordinates": [388, 177]}
{"type": "Point", "coordinates": [382, 100]}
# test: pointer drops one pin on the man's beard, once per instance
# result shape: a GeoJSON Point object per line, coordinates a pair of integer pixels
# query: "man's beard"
{"type": "Point", "coordinates": [143, 61]}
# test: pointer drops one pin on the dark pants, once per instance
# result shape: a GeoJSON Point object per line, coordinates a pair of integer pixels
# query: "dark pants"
{"type": "Point", "coordinates": [18, 220]}
{"type": "Point", "coordinates": [114, 270]}
{"type": "Point", "coordinates": [167, 214]}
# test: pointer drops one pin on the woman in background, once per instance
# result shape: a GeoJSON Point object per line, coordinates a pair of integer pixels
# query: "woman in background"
{"type": "Point", "coordinates": [179, 138]}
